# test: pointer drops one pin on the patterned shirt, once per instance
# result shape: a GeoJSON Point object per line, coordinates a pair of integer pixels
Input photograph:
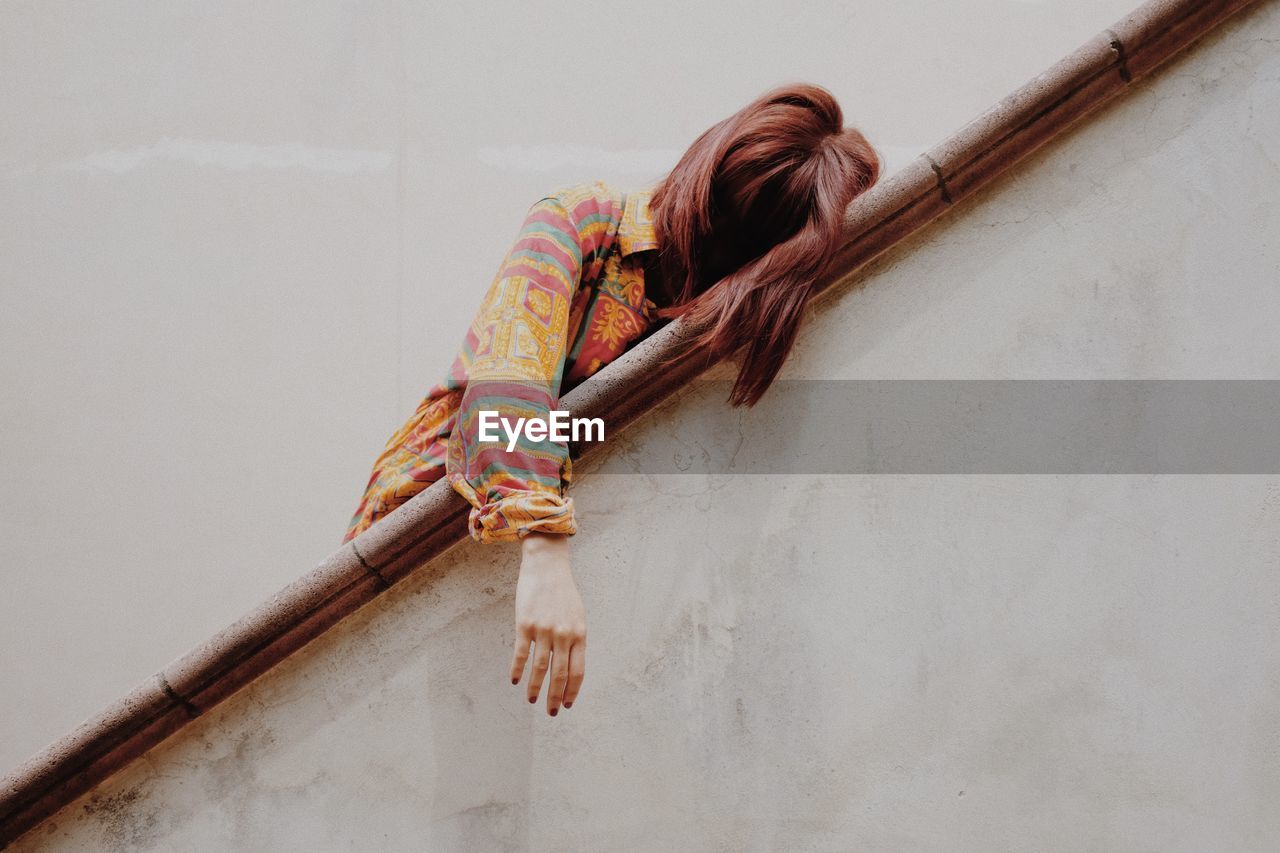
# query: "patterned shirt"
{"type": "Point", "coordinates": [568, 299]}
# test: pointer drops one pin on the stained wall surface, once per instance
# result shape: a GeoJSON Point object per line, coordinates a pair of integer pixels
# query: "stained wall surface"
{"type": "Point", "coordinates": [238, 243]}
{"type": "Point", "coordinates": [223, 286]}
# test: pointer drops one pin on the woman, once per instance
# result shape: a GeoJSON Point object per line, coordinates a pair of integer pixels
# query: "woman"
{"type": "Point", "coordinates": [735, 236]}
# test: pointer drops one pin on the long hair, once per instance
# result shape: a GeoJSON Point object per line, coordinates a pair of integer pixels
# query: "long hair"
{"type": "Point", "coordinates": [766, 189]}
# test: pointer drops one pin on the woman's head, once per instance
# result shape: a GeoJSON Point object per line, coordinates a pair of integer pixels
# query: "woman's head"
{"type": "Point", "coordinates": [749, 218]}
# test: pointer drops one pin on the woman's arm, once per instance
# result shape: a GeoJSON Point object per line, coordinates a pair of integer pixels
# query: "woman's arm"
{"type": "Point", "coordinates": [549, 614]}
{"type": "Point", "coordinates": [513, 359]}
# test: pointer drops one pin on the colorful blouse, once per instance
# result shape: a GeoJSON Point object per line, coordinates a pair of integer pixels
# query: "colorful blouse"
{"type": "Point", "coordinates": [568, 299]}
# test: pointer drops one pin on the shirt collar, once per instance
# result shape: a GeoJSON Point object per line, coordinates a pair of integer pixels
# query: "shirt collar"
{"type": "Point", "coordinates": [635, 232]}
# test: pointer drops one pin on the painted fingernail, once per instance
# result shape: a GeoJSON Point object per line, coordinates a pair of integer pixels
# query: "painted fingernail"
{"type": "Point", "coordinates": [553, 711]}
{"type": "Point", "coordinates": [515, 681]}
{"type": "Point", "coordinates": [533, 699]}
{"type": "Point", "coordinates": [568, 704]}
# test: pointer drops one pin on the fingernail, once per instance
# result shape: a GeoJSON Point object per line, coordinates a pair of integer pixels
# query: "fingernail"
{"type": "Point", "coordinates": [553, 711]}
{"type": "Point", "coordinates": [533, 699]}
{"type": "Point", "coordinates": [568, 704]}
{"type": "Point", "coordinates": [515, 681]}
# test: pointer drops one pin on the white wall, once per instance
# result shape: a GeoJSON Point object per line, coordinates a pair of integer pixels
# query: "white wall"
{"type": "Point", "coordinates": [239, 241]}
{"type": "Point", "coordinates": [226, 326]}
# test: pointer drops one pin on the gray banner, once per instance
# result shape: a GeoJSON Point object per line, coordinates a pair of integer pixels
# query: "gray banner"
{"type": "Point", "coordinates": [965, 427]}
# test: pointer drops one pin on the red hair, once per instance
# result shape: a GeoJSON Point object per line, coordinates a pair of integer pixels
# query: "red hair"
{"type": "Point", "coordinates": [765, 191]}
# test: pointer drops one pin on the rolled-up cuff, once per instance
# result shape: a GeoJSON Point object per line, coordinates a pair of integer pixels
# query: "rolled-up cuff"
{"type": "Point", "coordinates": [516, 515]}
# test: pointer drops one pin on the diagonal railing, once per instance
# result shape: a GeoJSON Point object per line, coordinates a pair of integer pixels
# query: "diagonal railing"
{"type": "Point", "coordinates": [436, 519]}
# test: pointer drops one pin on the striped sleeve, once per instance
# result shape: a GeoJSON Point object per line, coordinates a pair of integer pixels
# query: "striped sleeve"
{"type": "Point", "coordinates": [514, 357]}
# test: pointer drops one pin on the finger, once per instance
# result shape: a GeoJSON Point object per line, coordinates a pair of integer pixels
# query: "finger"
{"type": "Point", "coordinates": [523, 639]}
{"type": "Point", "coordinates": [559, 675]}
{"type": "Point", "coordinates": [541, 659]}
{"type": "Point", "coordinates": [577, 668]}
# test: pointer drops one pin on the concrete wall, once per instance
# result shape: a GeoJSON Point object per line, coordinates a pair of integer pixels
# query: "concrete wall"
{"type": "Point", "coordinates": [239, 242]}
{"type": "Point", "coordinates": [229, 322]}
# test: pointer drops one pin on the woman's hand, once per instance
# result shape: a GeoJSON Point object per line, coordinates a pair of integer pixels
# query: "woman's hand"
{"type": "Point", "coordinates": [549, 614]}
